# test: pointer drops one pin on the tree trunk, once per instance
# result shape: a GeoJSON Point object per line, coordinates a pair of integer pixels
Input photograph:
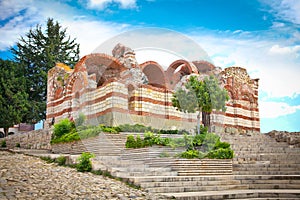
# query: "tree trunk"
{"type": "Point", "coordinates": [198, 123]}
{"type": "Point", "coordinates": [5, 132]}
{"type": "Point", "coordinates": [206, 120]}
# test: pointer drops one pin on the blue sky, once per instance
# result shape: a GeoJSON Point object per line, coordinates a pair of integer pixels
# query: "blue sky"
{"type": "Point", "coordinates": [262, 36]}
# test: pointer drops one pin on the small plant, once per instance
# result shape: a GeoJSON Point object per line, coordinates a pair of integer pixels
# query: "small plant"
{"type": "Point", "coordinates": [61, 160]}
{"type": "Point", "coordinates": [221, 154]}
{"type": "Point", "coordinates": [63, 127]}
{"type": "Point", "coordinates": [18, 145]}
{"type": "Point", "coordinates": [85, 164]}
{"type": "Point", "coordinates": [139, 142]}
{"type": "Point", "coordinates": [190, 154]}
{"type": "Point", "coordinates": [130, 142]}
{"type": "Point", "coordinates": [47, 159]}
{"type": "Point", "coordinates": [3, 144]}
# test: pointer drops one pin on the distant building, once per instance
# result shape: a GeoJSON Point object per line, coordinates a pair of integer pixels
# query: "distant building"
{"type": "Point", "coordinates": [115, 90]}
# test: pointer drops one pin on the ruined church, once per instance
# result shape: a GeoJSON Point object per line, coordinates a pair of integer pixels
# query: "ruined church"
{"type": "Point", "coordinates": [116, 89]}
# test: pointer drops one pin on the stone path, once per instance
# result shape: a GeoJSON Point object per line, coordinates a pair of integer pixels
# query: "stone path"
{"type": "Point", "coordinates": [26, 177]}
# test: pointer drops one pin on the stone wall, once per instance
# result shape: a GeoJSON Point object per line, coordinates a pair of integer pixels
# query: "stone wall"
{"type": "Point", "coordinates": [292, 138]}
{"type": "Point", "coordinates": [38, 139]}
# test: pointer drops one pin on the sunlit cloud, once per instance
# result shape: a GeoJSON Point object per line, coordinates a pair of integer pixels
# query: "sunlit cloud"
{"type": "Point", "coordinates": [276, 109]}
{"type": "Point", "coordinates": [101, 4]}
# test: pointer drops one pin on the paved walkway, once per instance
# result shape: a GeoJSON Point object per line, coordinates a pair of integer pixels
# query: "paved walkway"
{"type": "Point", "coordinates": [26, 177]}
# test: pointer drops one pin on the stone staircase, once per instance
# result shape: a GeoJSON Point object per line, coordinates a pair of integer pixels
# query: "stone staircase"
{"type": "Point", "coordinates": [262, 168]}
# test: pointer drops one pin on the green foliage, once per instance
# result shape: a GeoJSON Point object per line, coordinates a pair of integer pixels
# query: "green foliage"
{"type": "Point", "coordinates": [47, 159]}
{"type": "Point", "coordinates": [221, 145]}
{"type": "Point", "coordinates": [138, 128]}
{"type": "Point", "coordinates": [38, 52]}
{"type": "Point", "coordinates": [85, 164]}
{"type": "Point", "coordinates": [63, 127]}
{"type": "Point", "coordinates": [190, 154]}
{"type": "Point", "coordinates": [168, 132]}
{"type": "Point", "coordinates": [201, 96]}
{"type": "Point", "coordinates": [139, 142]}
{"type": "Point", "coordinates": [18, 145]}
{"type": "Point", "coordinates": [130, 142]}
{"type": "Point", "coordinates": [3, 144]}
{"type": "Point", "coordinates": [61, 160]}
{"type": "Point", "coordinates": [13, 96]}
{"type": "Point", "coordinates": [209, 142]}
{"type": "Point", "coordinates": [221, 154]}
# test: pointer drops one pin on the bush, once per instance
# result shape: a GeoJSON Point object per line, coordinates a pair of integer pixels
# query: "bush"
{"type": "Point", "coordinates": [3, 144]}
{"type": "Point", "coordinates": [139, 142]}
{"type": "Point", "coordinates": [61, 160]}
{"type": "Point", "coordinates": [168, 132]}
{"type": "Point", "coordinates": [18, 145]}
{"type": "Point", "coordinates": [63, 127]}
{"type": "Point", "coordinates": [189, 154]}
{"type": "Point", "coordinates": [133, 128]}
{"type": "Point", "coordinates": [85, 164]}
{"type": "Point", "coordinates": [130, 142]}
{"type": "Point", "coordinates": [221, 154]}
{"type": "Point", "coordinates": [222, 145]}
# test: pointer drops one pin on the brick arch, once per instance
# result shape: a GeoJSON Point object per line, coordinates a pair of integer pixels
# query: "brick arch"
{"type": "Point", "coordinates": [75, 77]}
{"type": "Point", "coordinates": [188, 67]}
{"type": "Point", "coordinates": [174, 76]}
{"type": "Point", "coordinates": [104, 66]}
{"type": "Point", "coordinates": [154, 73]}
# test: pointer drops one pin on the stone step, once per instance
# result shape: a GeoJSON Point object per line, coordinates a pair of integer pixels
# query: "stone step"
{"type": "Point", "coordinates": [195, 188]}
{"type": "Point", "coordinates": [204, 172]}
{"type": "Point", "coordinates": [266, 173]}
{"type": "Point", "coordinates": [188, 183]}
{"type": "Point", "coordinates": [144, 179]}
{"type": "Point", "coordinates": [235, 194]}
{"type": "Point", "coordinates": [124, 174]}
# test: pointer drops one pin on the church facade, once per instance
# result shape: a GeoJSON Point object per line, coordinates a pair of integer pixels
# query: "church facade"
{"type": "Point", "coordinates": [115, 89]}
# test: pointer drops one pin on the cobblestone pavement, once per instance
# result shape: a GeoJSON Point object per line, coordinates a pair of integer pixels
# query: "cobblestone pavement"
{"type": "Point", "coordinates": [26, 177]}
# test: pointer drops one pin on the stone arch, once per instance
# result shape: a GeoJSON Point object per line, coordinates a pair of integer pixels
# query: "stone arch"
{"type": "Point", "coordinates": [174, 74]}
{"type": "Point", "coordinates": [155, 74]}
{"type": "Point", "coordinates": [105, 67]}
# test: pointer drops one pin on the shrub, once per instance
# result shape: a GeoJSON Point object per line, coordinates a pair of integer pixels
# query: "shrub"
{"type": "Point", "coordinates": [3, 144]}
{"type": "Point", "coordinates": [130, 142]}
{"type": "Point", "coordinates": [61, 160]}
{"type": "Point", "coordinates": [210, 141]}
{"type": "Point", "coordinates": [221, 154]}
{"type": "Point", "coordinates": [189, 154]}
{"type": "Point", "coordinates": [18, 145]}
{"type": "Point", "coordinates": [133, 128]}
{"type": "Point", "coordinates": [47, 159]}
{"type": "Point", "coordinates": [110, 129]}
{"type": "Point", "coordinates": [85, 164]}
{"type": "Point", "coordinates": [139, 142]}
{"type": "Point", "coordinates": [63, 127]}
{"type": "Point", "coordinates": [222, 145]}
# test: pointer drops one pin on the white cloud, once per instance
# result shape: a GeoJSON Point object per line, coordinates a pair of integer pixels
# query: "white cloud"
{"type": "Point", "coordinates": [276, 49]}
{"type": "Point", "coordinates": [278, 73]}
{"type": "Point", "coordinates": [287, 10]}
{"type": "Point", "coordinates": [276, 109]}
{"type": "Point", "coordinates": [101, 4]}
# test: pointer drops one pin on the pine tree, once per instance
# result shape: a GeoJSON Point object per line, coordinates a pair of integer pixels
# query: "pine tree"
{"type": "Point", "coordinates": [38, 52]}
{"type": "Point", "coordinates": [13, 97]}
{"type": "Point", "coordinates": [202, 96]}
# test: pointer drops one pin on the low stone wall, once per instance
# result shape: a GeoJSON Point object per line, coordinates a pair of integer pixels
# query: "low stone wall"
{"type": "Point", "coordinates": [76, 147]}
{"type": "Point", "coordinates": [292, 138]}
{"type": "Point", "coordinates": [38, 139]}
